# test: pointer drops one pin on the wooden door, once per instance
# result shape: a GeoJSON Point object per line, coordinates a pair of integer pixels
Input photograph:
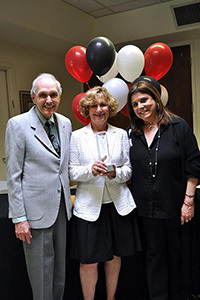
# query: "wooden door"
{"type": "Point", "coordinates": [178, 84]}
{"type": "Point", "coordinates": [4, 115]}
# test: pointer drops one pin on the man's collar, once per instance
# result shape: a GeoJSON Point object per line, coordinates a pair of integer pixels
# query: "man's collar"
{"type": "Point", "coordinates": [42, 118]}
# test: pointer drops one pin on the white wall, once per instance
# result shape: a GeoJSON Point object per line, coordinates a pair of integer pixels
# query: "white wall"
{"type": "Point", "coordinates": [51, 17]}
{"type": "Point", "coordinates": [28, 63]}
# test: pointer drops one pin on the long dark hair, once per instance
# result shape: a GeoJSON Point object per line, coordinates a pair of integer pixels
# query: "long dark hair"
{"type": "Point", "coordinates": [163, 114]}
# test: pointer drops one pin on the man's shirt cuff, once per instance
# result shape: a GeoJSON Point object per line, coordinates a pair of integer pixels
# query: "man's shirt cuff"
{"type": "Point", "coordinates": [20, 219]}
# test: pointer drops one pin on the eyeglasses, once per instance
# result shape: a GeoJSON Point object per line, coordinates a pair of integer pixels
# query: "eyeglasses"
{"type": "Point", "coordinates": [44, 95]}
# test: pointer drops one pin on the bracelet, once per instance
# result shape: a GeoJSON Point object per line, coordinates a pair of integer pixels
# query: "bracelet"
{"type": "Point", "coordinates": [189, 195]}
{"type": "Point", "coordinates": [188, 203]}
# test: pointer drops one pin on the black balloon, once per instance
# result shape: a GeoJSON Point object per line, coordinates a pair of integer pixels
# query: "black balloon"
{"type": "Point", "coordinates": [100, 55]}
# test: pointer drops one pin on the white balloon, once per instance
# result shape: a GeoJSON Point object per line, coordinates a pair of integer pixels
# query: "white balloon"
{"type": "Point", "coordinates": [164, 95]}
{"type": "Point", "coordinates": [130, 62]}
{"type": "Point", "coordinates": [119, 90]}
{"type": "Point", "coordinates": [111, 73]}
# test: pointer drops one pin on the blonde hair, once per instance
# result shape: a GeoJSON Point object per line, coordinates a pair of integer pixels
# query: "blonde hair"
{"type": "Point", "coordinates": [91, 97]}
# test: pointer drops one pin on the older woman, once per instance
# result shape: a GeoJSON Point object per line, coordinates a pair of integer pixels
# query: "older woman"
{"type": "Point", "coordinates": [104, 229]}
{"type": "Point", "coordinates": [166, 164]}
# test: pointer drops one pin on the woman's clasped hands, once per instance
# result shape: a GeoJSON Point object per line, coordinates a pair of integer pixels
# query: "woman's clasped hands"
{"type": "Point", "coordinates": [100, 168]}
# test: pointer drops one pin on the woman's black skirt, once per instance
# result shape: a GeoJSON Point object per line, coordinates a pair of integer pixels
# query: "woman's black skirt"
{"type": "Point", "coordinates": [112, 234]}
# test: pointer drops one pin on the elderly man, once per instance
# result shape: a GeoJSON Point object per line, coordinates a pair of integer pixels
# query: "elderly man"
{"type": "Point", "coordinates": [38, 186]}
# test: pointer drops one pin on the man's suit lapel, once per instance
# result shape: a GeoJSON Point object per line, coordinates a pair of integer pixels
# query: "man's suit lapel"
{"type": "Point", "coordinates": [62, 135]}
{"type": "Point", "coordinates": [39, 132]}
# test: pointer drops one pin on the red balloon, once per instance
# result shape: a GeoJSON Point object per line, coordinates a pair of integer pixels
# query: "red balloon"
{"type": "Point", "coordinates": [124, 110]}
{"type": "Point", "coordinates": [77, 65]}
{"type": "Point", "coordinates": [158, 60]}
{"type": "Point", "coordinates": [76, 109]}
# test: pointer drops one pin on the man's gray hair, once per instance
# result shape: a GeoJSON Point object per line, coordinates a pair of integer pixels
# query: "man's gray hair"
{"type": "Point", "coordinates": [42, 75]}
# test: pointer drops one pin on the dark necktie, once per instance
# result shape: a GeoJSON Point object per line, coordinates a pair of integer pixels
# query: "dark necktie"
{"type": "Point", "coordinates": [52, 136]}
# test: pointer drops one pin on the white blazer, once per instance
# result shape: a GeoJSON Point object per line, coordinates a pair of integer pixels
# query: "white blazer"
{"type": "Point", "coordinates": [89, 193]}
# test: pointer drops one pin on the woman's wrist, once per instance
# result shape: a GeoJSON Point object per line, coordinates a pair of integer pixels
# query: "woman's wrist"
{"type": "Point", "coordinates": [189, 196]}
{"type": "Point", "coordinates": [189, 202]}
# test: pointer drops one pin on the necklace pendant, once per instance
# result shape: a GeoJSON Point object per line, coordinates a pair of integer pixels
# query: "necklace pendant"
{"type": "Point", "coordinates": [152, 127]}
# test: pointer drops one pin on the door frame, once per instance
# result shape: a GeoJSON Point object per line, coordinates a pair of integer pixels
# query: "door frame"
{"type": "Point", "coordinates": [11, 87]}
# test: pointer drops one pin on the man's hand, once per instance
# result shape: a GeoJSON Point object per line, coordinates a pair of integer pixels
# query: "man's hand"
{"type": "Point", "coordinates": [23, 231]}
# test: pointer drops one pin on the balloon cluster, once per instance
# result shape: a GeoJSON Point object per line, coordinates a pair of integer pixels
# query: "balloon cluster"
{"type": "Point", "coordinates": [100, 57]}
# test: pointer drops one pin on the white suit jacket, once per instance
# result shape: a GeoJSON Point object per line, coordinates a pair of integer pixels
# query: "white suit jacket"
{"type": "Point", "coordinates": [89, 193]}
{"type": "Point", "coordinates": [35, 172]}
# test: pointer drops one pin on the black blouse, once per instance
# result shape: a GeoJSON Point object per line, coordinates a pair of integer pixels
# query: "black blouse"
{"type": "Point", "coordinates": [178, 158]}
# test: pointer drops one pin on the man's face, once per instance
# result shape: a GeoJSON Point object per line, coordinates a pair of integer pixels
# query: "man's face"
{"type": "Point", "coordinates": [47, 97]}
